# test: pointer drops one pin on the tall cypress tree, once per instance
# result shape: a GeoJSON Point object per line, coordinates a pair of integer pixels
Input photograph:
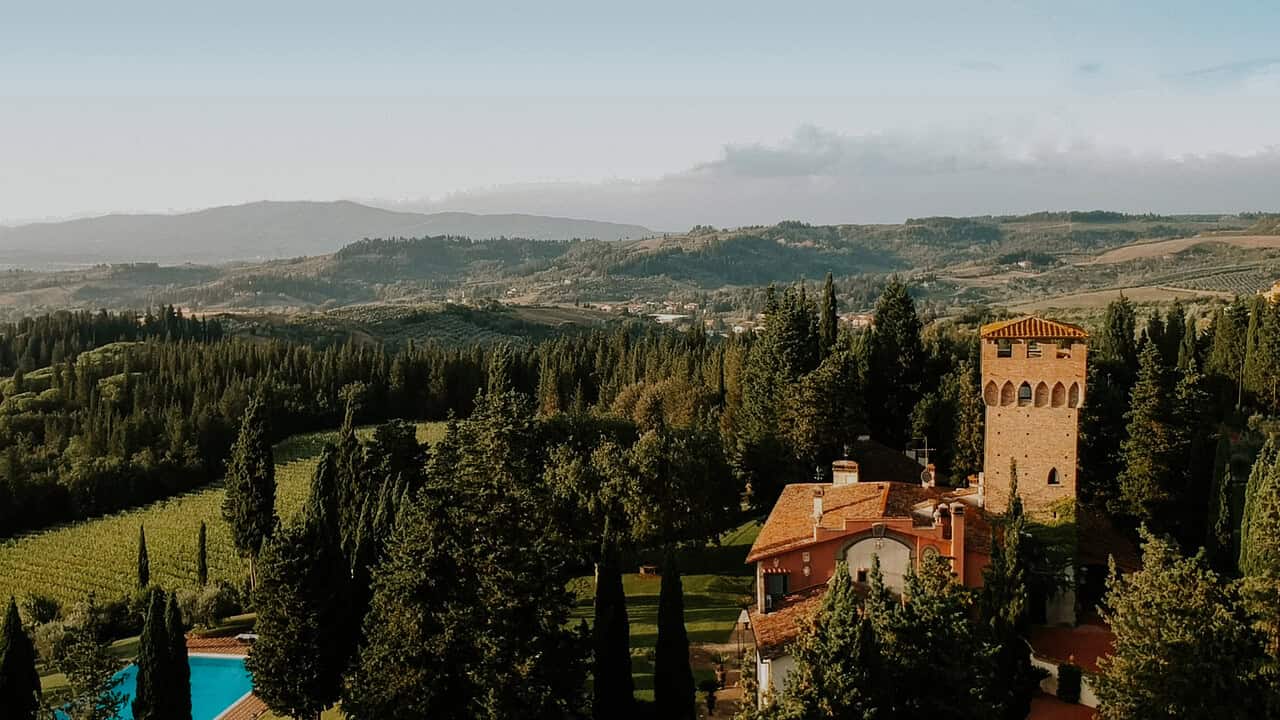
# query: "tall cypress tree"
{"type": "Point", "coordinates": [1188, 349]}
{"type": "Point", "coordinates": [613, 689]}
{"type": "Point", "coordinates": [151, 698]}
{"type": "Point", "coordinates": [144, 562]}
{"type": "Point", "coordinates": [202, 555]}
{"type": "Point", "coordinates": [673, 688]}
{"type": "Point", "coordinates": [250, 504]}
{"type": "Point", "coordinates": [302, 602]}
{"type": "Point", "coordinates": [1148, 448]}
{"type": "Point", "coordinates": [1260, 520]}
{"type": "Point", "coordinates": [1005, 605]}
{"type": "Point", "coordinates": [179, 693]}
{"type": "Point", "coordinates": [895, 364]}
{"type": "Point", "coordinates": [19, 681]}
{"type": "Point", "coordinates": [828, 319]}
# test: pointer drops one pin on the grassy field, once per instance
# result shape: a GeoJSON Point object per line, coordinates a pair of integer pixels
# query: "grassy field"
{"type": "Point", "coordinates": [716, 588]}
{"type": "Point", "coordinates": [100, 555]}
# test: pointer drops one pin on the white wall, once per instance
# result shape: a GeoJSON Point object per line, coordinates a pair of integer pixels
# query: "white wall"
{"type": "Point", "coordinates": [895, 558]}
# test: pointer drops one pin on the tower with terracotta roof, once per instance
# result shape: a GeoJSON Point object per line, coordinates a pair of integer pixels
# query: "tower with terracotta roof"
{"type": "Point", "coordinates": [1033, 386]}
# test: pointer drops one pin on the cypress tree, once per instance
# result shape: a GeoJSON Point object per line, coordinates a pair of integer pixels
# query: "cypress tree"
{"type": "Point", "coordinates": [1189, 348]}
{"type": "Point", "coordinates": [1005, 605]}
{"type": "Point", "coordinates": [19, 680]}
{"type": "Point", "coordinates": [613, 690]}
{"type": "Point", "coordinates": [1147, 450]}
{"type": "Point", "coordinates": [202, 556]}
{"type": "Point", "coordinates": [827, 319]}
{"type": "Point", "coordinates": [179, 664]}
{"type": "Point", "coordinates": [152, 698]}
{"type": "Point", "coordinates": [144, 562]}
{"type": "Point", "coordinates": [895, 365]}
{"type": "Point", "coordinates": [673, 687]}
{"type": "Point", "coordinates": [291, 668]}
{"type": "Point", "coordinates": [1260, 520]}
{"type": "Point", "coordinates": [249, 507]}
{"type": "Point", "coordinates": [839, 671]}
{"type": "Point", "coordinates": [1119, 326]}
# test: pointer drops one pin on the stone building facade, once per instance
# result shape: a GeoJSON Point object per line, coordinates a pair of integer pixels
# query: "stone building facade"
{"type": "Point", "coordinates": [1033, 386]}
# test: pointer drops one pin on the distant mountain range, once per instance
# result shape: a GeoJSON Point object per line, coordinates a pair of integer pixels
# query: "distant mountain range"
{"type": "Point", "coordinates": [266, 230]}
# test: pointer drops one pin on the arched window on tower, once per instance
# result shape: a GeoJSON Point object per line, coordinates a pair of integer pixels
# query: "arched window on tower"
{"type": "Point", "coordinates": [1024, 394]}
{"type": "Point", "coordinates": [991, 395]}
{"type": "Point", "coordinates": [1053, 476]}
{"type": "Point", "coordinates": [1073, 395]}
{"type": "Point", "coordinates": [1042, 395]}
{"type": "Point", "coordinates": [1006, 393]}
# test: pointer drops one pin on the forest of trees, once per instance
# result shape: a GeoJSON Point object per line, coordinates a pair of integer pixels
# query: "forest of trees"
{"type": "Point", "coordinates": [430, 580]}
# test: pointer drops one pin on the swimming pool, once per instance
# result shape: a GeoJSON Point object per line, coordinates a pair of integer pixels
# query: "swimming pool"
{"type": "Point", "coordinates": [216, 684]}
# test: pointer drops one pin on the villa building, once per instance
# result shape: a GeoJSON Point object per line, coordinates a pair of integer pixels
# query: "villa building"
{"type": "Point", "coordinates": [882, 503]}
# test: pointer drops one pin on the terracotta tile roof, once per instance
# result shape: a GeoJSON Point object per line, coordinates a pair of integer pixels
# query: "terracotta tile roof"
{"type": "Point", "coordinates": [1099, 539]}
{"type": "Point", "coordinates": [1084, 644]}
{"type": "Point", "coordinates": [790, 524]}
{"type": "Point", "coordinates": [880, 463]}
{"type": "Point", "coordinates": [1030, 326]}
{"type": "Point", "coordinates": [774, 631]}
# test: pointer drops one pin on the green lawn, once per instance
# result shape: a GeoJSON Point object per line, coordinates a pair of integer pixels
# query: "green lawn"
{"type": "Point", "coordinates": [716, 591]}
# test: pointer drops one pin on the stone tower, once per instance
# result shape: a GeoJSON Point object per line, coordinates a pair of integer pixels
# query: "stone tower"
{"type": "Point", "coordinates": [1033, 385]}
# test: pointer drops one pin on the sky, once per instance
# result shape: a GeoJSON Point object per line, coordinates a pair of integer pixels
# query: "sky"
{"type": "Point", "coordinates": [666, 114]}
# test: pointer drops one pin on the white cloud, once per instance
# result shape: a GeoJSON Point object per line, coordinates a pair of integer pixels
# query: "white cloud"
{"type": "Point", "coordinates": [826, 177]}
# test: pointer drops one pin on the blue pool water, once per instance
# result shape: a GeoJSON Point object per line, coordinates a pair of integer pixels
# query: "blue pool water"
{"type": "Point", "coordinates": [216, 683]}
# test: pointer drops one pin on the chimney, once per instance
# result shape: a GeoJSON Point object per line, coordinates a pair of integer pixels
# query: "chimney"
{"type": "Point", "coordinates": [957, 539]}
{"type": "Point", "coordinates": [817, 506]}
{"type": "Point", "coordinates": [982, 489]}
{"type": "Point", "coordinates": [931, 472]}
{"type": "Point", "coordinates": [844, 472]}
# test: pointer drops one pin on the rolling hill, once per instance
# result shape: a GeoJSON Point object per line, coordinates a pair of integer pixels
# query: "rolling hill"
{"type": "Point", "coordinates": [267, 230]}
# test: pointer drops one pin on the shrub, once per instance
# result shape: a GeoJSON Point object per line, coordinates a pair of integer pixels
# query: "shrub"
{"type": "Point", "coordinates": [208, 606]}
{"type": "Point", "coordinates": [1069, 682]}
{"type": "Point", "coordinates": [40, 609]}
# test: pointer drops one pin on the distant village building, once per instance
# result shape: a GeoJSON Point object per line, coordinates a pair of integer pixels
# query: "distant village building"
{"type": "Point", "coordinates": [882, 503]}
{"type": "Point", "coordinates": [859, 320]}
{"type": "Point", "coordinates": [1273, 295]}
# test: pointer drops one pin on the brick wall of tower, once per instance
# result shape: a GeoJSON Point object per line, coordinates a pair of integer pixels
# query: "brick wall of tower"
{"type": "Point", "coordinates": [1042, 435]}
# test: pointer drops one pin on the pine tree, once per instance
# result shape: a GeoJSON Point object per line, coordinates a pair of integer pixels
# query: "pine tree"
{"type": "Point", "coordinates": [1177, 624]}
{"type": "Point", "coordinates": [179, 664]}
{"type": "Point", "coordinates": [152, 697]}
{"type": "Point", "coordinates": [673, 687]}
{"type": "Point", "coordinates": [476, 562]}
{"type": "Point", "coordinates": [19, 680]}
{"type": "Point", "coordinates": [828, 319]}
{"type": "Point", "coordinates": [249, 507]}
{"type": "Point", "coordinates": [144, 562]}
{"type": "Point", "coordinates": [1147, 449]}
{"type": "Point", "coordinates": [202, 556]}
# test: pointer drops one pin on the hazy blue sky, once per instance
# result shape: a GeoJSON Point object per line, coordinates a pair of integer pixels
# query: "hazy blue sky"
{"type": "Point", "coordinates": [659, 113]}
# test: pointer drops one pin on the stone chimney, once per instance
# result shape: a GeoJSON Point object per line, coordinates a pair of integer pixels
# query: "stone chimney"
{"type": "Point", "coordinates": [982, 489]}
{"type": "Point", "coordinates": [844, 472]}
{"type": "Point", "coordinates": [817, 506]}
